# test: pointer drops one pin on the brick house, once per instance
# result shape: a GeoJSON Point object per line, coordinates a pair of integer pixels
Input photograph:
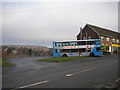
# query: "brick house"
{"type": "Point", "coordinates": [109, 39]}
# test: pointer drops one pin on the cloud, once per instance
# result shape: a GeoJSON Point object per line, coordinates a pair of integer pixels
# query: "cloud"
{"type": "Point", "coordinates": [43, 22]}
{"type": "Point", "coordinates": [60, 0]}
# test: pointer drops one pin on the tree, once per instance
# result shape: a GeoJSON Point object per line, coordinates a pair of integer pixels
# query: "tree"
{"type": "Point", "coordinates": [25, 51]}
{"type": "Point", "coordinates": [30, 52]}
{"type": "Point", "coordinates": [9, 50]}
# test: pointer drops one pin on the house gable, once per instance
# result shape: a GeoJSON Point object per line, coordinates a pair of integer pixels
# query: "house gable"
{"type": "Point", "coordinates": [87, 32]}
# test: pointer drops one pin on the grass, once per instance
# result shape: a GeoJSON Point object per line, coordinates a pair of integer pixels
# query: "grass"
{"type": "Point", "coordinates": [62, 59]}
{"type": "Point", "coordinates": [5, 63]}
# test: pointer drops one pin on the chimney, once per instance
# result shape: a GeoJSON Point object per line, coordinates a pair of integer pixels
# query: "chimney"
{"type": "Point", "coordinates": [80, 33]}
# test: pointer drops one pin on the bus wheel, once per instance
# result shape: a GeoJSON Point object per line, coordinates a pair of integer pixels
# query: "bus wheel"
{"type": "Point", "coordinates": [64, 55]}
{"type": "Point", "coordinates": [92, 54]}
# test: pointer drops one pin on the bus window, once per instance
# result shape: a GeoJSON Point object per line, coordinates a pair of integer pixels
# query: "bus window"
{"type": "Point", "coordinates": [65, 50]}
{"type": "Point", "coordinates": [65, 43]}
{"type": "Point", "coordinates": [82, 50]}
{"type": "Point", "coordinates": [98, 49]}
{"type": "Point", "coordinates": [55, 50]}
{"type": "Point", "coordinates": [73, 43]}
{"type": "Point", "coordinates": [98, 42]}
{"type": "Point", "coordinates": [74, 50]}
{"type": "Point", "coordinates": [60, 50]}
{"type": "Point", "coordinates": [89, 49]}
{"type": "Point", "coordinates": [90, 42]}
{"type": "Point", "coordinates": [81, 43]}
{"type": "Point", "coordinates": [57, 44]}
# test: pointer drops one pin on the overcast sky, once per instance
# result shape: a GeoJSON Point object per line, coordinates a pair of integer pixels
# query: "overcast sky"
{"type": "Point", "coordinates": [40, 23]}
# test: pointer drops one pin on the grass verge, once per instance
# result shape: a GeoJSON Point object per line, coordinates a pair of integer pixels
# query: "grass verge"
{"type": "Point", "coordinates": [5, 63]}
{"type": "Point", "coordinates": [62, 59]}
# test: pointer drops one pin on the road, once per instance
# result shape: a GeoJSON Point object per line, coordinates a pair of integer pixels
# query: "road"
{"type": "Point", "coordinates": [92, 72]}
{"type": "Point", "coordinates": [25, 64]}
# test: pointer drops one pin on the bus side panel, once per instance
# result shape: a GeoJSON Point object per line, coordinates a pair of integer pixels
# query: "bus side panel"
{"type": "Point", "coordinates": [73, 54]}
{"type": "Point", "coordinates": [86, 53]}
{"type": "Point", "coordinates": [97, 53]}
{"type": "Point", "coordinates": [55, 54]}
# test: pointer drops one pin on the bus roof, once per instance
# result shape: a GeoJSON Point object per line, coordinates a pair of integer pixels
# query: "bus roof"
{"type": "Point", "coordinates": [77, 40]}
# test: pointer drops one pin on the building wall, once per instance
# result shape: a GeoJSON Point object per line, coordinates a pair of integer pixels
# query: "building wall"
{"type": "Point", "coordinates": [105, 40]}
{"type": "Point", "coordinates": [111, 41]}
{"type": "Point", "coordinates": [108, 45]}
{"type": "Point", "coordinates": [93, 35]}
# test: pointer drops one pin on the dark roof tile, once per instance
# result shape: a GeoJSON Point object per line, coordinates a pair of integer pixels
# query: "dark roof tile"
{"type": "Point", "coordinates": [105, 32]}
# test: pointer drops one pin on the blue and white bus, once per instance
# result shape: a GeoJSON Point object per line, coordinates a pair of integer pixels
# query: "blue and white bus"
{"type": "Point", "coordinates": [90, 47]}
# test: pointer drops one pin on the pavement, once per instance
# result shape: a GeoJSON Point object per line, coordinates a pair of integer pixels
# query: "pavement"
{"type": "Point", "coordinates": [92, 72]}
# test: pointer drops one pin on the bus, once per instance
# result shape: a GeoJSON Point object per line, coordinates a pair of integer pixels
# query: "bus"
{"type": "Point", "coordinates": [90, 47]}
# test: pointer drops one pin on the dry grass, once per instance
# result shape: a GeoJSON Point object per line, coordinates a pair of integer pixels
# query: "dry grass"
{"type": "Point", "coordinates": [5, 63]}
{"type": "Point", "coordinates": [62, 59]}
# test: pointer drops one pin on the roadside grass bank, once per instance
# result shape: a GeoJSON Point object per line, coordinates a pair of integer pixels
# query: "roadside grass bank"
{"type": "Point", "coordinates": [14, 56]}
{"type": "Point", "coordinates": [5, 63]}
{"type": "Point", "coordinates": [62, 59]}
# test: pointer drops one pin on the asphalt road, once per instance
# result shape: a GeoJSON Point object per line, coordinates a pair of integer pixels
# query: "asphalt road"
{"type": "Point", "coordinates": [24, 64]}
{"type": "Point", "coordinates": [92, 72]}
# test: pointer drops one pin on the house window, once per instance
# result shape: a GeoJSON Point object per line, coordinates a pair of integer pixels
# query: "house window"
{"type": "Point", "coordinates": [84, 38]}
{"type": "Point", "coordinates": [108, 39]}
{"type": "Point", "coordinates": [102, 38]}
{"type": "Point", "coordinates": [113, 40]}
{"type": "Point", "coordinates": [117, 40]}
{"type": "Point", "coordinates": [89, 37]}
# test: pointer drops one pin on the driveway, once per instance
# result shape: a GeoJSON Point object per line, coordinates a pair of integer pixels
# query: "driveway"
{"type": "Point", "coordinates": [26, 64]}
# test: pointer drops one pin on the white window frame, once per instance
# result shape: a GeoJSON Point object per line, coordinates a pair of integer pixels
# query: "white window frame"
{"type": "Point", "coordinates": [113, 39]}
{"type": "Point", "coordinates": [84, 38]}
{"type": "Point", "coordinates": [102, 38]}
{"type": "Point", "coordinates": [89, 37]}
{"type": "Point", "coordinates": [117, 40]}
{"type": "Point", "coordinates": [107, 38]}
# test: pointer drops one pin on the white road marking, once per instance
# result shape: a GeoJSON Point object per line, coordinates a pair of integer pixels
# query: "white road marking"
{"type": "Point", "coordinates": [69, 75]}
{"type": "Point", "coordinates": [38, 83]}
{"type": "Point", "coordinates": [118, 79]}
{"type": "Point", "coordinates": [111, 63]}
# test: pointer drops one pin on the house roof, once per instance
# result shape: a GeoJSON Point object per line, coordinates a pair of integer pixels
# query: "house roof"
{"type": "Point", "coordinates": [104, 32]}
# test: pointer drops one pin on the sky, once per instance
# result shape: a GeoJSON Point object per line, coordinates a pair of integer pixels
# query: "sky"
{"type": "Point", "coordinates": [40, 23]}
